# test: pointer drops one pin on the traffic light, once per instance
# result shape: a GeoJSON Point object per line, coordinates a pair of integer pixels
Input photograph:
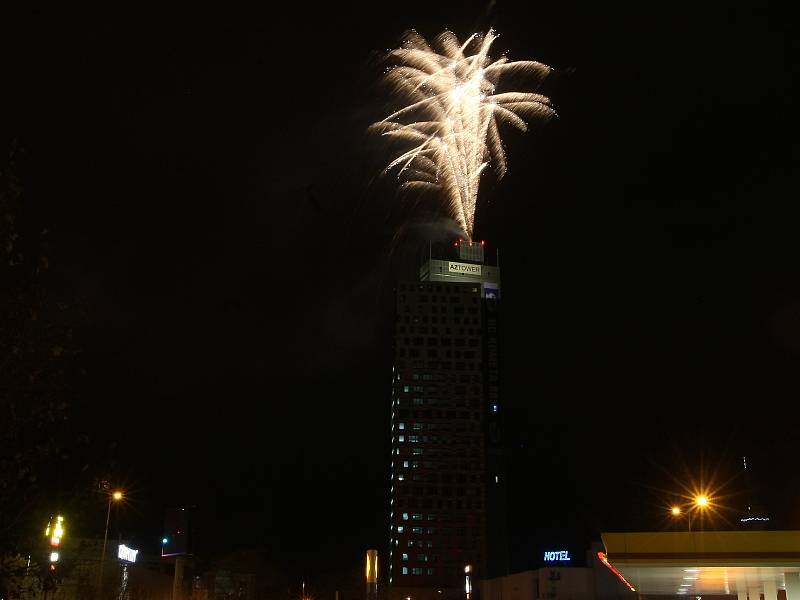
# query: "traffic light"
{"type": "Point", "coordinates": [176, 540]}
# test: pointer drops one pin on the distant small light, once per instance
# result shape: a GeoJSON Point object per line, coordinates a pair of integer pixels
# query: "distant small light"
{"type": "Point", "coordinates": [54, 557]}
{"type": "Point", "coordinates": [164, 540]}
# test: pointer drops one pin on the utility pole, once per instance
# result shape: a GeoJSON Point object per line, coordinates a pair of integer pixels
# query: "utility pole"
{"type": "Point", "coordinates": [177, 583]}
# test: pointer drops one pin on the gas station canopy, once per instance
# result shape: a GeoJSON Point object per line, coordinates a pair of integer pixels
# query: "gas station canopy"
{"type": "Point", "coordinates": [712, 563]}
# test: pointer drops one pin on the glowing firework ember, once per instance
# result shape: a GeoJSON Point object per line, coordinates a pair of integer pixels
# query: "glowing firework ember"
{"type": "Point", "coordinates": [452, 115]}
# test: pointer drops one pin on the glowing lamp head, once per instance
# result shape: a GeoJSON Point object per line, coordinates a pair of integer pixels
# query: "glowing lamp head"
{"type": "Point", "coordinates": [164, 540]}
{"type": "Point", "coordinates": [675, 510]}
{"type": "Point", "coordinates": [117, 495]}
{"type": "Point", "coordinates": [701, 501]}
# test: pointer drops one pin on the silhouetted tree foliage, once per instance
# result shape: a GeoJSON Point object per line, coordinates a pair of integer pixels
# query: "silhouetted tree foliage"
{"type": "Point", "coordinates": [37, 345]}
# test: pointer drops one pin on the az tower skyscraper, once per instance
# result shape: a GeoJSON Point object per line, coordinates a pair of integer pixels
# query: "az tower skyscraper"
{"type": "Point", "coordinates": [448, 485]}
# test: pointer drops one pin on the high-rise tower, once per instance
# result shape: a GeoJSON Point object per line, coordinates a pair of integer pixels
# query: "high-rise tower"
{"type": "Point", "coordinates": [448, 499]}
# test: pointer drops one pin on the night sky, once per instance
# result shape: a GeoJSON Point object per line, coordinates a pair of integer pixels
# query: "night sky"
{"type": "Point", "coordinates": [214, 205]}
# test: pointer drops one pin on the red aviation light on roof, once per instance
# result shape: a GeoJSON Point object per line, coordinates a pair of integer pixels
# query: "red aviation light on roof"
{"type": "Point", "coordinates": [483, 243]}
{"type": "Point", "coordinates": [604, 559]}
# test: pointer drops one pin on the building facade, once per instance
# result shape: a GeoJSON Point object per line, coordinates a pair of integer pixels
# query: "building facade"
{"type": "Point", "coordinates": [447, 471]}
{"type": "Point", "coordinates": [588, 579]}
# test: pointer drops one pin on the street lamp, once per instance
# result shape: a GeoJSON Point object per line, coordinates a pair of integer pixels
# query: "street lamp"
{"type": "Point", "coordinates": [115, 496]}
{"type": "Point", "coordinates": [700, 502]}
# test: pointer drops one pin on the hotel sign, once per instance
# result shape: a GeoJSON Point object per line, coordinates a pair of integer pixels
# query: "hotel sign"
{"type": "Point", "coordinates": [464, 268]}
{"type": "Point", "coordinates": [557, 556]}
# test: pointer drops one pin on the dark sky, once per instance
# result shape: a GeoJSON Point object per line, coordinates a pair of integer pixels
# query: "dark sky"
{"type": "Point", "coordinates": [213, 202]}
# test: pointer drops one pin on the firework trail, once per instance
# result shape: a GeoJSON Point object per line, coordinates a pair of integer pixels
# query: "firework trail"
{"type": "Point", "coordinates": [452, 114]}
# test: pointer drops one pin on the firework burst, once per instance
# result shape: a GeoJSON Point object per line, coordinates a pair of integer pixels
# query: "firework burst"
{"type": "Point", "coordinates": [450, 121]}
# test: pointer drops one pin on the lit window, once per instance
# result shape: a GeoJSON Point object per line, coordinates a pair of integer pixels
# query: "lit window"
{"type": "Point", "coordinates": [403, 425]}
{"type": "Point", "coordinates": [430, 571]}
{"type": "Point", "coordinates": [417, 571]}
{"type": "Point", "coordinates": [406, 388]}
{"type": "Point", "coordinates": [401, 438]}
{"type": "Point", "coordinates": [405, 464]}
{"type": "Point", "coordinates": [415, 516]}
{"type": "Point", "coordinates": [401, 477]}
{"type": "Point", "coordinates": [497, 479]}
{"type": "Point", "coordinates": [400, 529]}
{"type": "Point", "coordinates": [494, 410]}
{"type": "Point", "coordinates": [405, 570]}
{"type": "Point", "coordinates": [421, 557]}
{"type": "Point", "coordinates": [405, 556]}
{"type": "Point", "coordinates": [405, 516]}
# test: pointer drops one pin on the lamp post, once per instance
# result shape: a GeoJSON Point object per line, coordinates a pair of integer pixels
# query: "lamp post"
{"type": "Point", "coordinates": [113, 497]}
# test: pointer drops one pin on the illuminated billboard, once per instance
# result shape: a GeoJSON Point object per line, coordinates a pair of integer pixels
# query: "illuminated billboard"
{"type": "Point", "coordinates": [126, 554]}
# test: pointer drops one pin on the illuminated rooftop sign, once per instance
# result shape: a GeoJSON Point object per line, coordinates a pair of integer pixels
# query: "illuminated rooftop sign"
{"type": "Point", "coordinates": [127, 554]}
{"type": "Point", "coordinates": [463, 268]}
{"type": "Point", "coordinates": [557, 556]}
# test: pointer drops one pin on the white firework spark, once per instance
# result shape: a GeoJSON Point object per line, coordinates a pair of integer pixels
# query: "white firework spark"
{"type": "Point", "coordinates": [451, 119]}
